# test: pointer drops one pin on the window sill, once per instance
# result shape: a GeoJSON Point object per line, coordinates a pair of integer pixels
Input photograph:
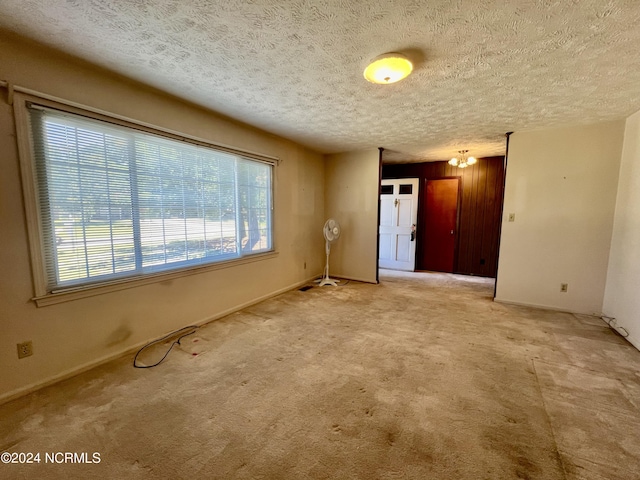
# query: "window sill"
{"type": "Point", "coordinates": [126, 283]}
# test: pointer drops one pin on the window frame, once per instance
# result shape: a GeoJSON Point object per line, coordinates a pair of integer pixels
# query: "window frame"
{"type": "Point", "coordinates": [34, 217]}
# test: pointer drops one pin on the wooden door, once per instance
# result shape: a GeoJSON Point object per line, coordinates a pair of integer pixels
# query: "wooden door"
{"type": "Point", "coordinates": [439, 230]}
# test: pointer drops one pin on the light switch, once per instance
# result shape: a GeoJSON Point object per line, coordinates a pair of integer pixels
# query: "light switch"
{"type": "Point", "coordinates": [512, 217]}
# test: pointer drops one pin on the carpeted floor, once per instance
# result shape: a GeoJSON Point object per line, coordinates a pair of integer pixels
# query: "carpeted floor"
{"type": "Point", "coordinates": [420, 377]}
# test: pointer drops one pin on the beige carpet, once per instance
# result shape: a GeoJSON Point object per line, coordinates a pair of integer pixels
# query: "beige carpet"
{"type": "Point", "coordinates": [420, 377]}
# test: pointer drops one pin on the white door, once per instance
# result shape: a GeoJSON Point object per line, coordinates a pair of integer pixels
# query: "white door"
{"type": "Point", "coordinates": [398, 217]}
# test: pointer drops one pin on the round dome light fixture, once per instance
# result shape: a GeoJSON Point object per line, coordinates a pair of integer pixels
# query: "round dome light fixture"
{"type": "Point", "coordinates": [388, 68]}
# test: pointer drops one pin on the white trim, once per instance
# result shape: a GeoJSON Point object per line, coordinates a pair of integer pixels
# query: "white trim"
{"type": "Point", "coordinates": [132, 282]}
{"type": "Point", "coordinates": [19, 392]}
{"type": "Point", "coordinates": [30, 195]}
{"type": "Point", "coordinates": [107, 114]}
{"type": "Point", "coordinates": [355, 279]}
{"type": "Point", "coordinates": [542, 307]}
{"type": "Point", "coordinates": [633, 341]}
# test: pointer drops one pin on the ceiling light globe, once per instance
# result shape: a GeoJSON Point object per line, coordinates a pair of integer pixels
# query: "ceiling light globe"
{"type": "Point", "coordinates": [471, 160]}
{"type": "Point", "coordinates": [453, 161]}
{"type": "Point", "coordinates": [388, 68]}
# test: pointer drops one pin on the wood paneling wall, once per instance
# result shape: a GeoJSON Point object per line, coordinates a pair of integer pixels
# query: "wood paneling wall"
{"type": "Point", "coordinates": [479, 210]}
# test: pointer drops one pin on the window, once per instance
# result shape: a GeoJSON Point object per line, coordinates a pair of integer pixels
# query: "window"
{"type": "Point", "coordinates": [116, 201]}
{"type": "Point", "coordinates": [405, 189]}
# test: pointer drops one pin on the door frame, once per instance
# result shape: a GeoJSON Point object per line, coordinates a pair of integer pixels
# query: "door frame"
{"type": "Point", "coordinates": [422, 211]}
{"type": "Point", "coordinates": [380, 152]}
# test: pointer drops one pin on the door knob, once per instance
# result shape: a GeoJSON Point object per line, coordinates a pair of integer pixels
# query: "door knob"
{"type": "Point", "coordinates": [451, 232]}
{"type": "Point", "coordinates": [395, 202]}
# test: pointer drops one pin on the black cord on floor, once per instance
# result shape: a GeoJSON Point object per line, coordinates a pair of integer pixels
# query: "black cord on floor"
{"type": "Point", "coordinates": [193, 329]}
{"type": "Point", "coordinates": [611, 321]}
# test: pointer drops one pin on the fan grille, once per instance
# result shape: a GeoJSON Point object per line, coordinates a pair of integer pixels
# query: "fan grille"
{"type": "Point", "coordinates": [331, 230]}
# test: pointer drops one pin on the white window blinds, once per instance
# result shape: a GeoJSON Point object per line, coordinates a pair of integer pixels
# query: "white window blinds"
{"type": "Point", "coordinates": [115, 201]}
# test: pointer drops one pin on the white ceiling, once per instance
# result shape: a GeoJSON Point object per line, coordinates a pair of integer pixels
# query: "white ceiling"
{"type": "Point", "coordinates": [294, 67]}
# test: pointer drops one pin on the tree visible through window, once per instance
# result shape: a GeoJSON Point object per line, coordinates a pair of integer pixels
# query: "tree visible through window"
{"type": "Point", "coordinates": [116, 201]}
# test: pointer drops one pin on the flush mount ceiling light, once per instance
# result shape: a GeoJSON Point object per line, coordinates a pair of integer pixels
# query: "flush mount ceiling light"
{"type": "Point", "coordinates": [388, 68]}
{"type": "Point", "coordinates": [462, 161]}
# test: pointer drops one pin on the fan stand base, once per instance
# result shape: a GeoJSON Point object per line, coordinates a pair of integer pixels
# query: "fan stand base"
{"type": "Point", "coordinates": [328, 281]}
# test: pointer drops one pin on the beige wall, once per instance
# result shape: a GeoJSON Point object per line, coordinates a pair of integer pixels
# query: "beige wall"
{"type": "Point", "coordinates": [351, 197]}
{"type": "Point", "coordinates": [561, 184]}
{"type": "Point", "coordinates": [71, 335]}
{"type": "Point", "coordinates": [622, 299]}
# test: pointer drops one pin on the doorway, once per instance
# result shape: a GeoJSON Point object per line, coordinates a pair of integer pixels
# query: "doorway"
{"type": "Point", "coordinates": [479, 213]}
{"type": "Point", "coordinates": [439, 224]}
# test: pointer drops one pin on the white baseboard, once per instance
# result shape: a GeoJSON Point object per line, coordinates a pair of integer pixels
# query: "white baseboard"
{"type": "Point", "coordinates": [19, 392]}
{"type": "Point", "coordinates": [542, 307]}
{"type": "Point", "coordinates": [355, 279]}
{"type": "Point", "coordinates": [633, 341]}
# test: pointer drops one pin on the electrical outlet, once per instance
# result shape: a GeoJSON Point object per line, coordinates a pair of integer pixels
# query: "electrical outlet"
{"type": "Point", "coordinates": [564, 287]}
{"type": "Point", "coordinates": [25, 349]}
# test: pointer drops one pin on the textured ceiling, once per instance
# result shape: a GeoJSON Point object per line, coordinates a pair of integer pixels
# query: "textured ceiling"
{"type": "Point", "coordinates": [294, 67]}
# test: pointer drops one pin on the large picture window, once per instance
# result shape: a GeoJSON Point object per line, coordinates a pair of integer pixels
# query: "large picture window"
{"type": "Point", "coordinates": [116, 202]}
